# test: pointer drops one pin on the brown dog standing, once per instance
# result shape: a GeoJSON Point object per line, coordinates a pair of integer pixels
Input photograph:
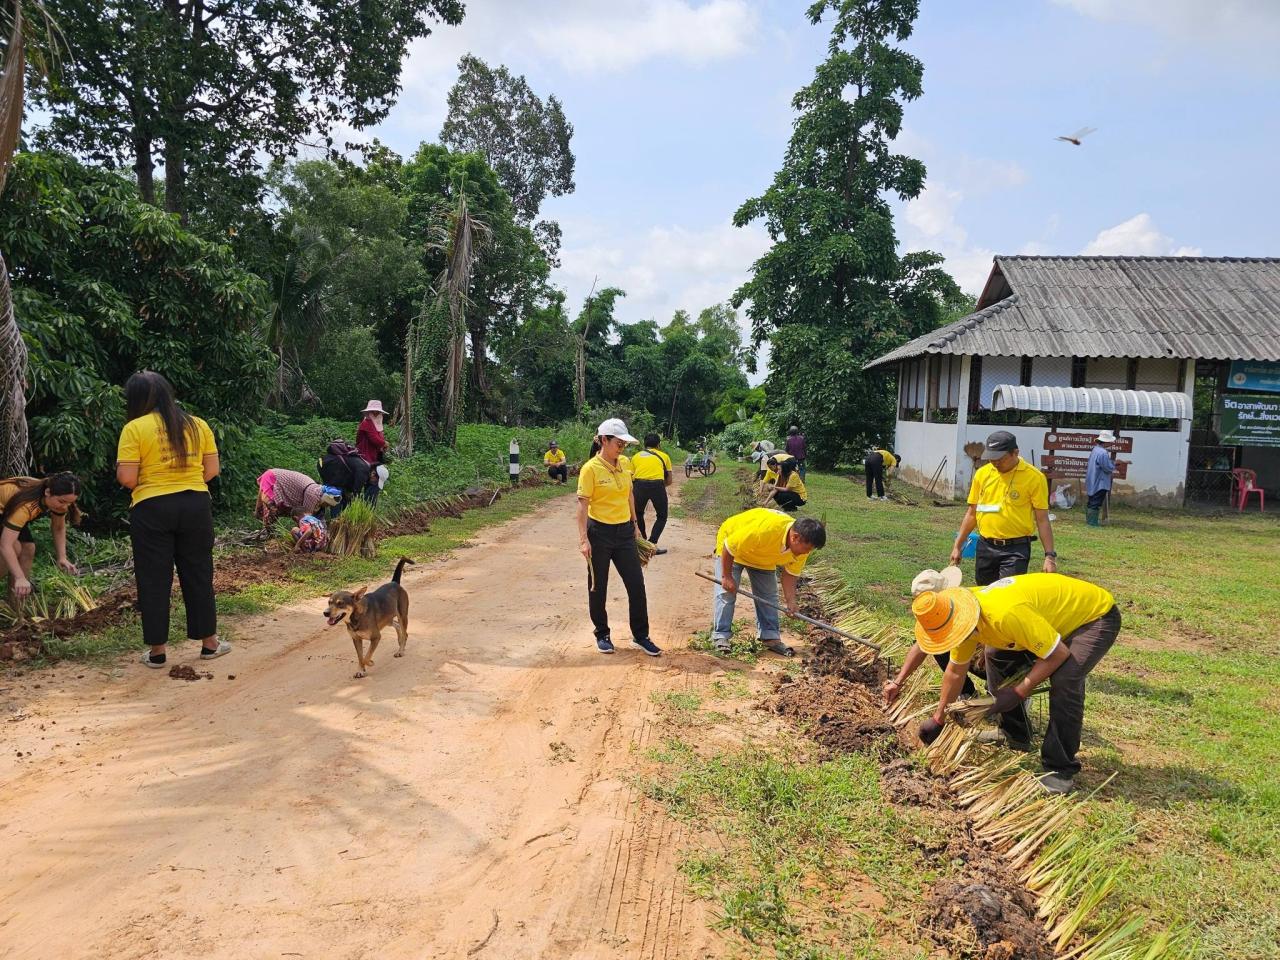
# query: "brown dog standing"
{"type": "Point", "coordinates": [367, 613]}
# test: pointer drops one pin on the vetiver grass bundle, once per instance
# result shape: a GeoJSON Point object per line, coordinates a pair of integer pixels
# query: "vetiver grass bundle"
{"type": "Point", "coordinates": [646, 550]}
{"type": "Point", "coordinates": [354, 532]}
{"type": "Point", "coordinates": [59, 597]}
{"type": "Point", "coordinates": [1058, 858]}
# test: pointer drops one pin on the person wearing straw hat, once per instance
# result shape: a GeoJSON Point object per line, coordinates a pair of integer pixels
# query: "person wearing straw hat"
{"type": "Point", "coordinates": [1097, 481]}
{"type": "Point", "coordinates": [761, 541]}
{"type": "Point", "coordinates": [372, 444]}
{"type": "Point", "coordinates": [1054, 626]}
{"type": "Point", "coordinates": [607, 532]}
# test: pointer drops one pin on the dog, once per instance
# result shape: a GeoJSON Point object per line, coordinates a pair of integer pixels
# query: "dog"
{"type": "Point", "coordinates": [367, 613]}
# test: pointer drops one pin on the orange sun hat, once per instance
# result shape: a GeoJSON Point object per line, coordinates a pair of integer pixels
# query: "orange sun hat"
{"type": "Point", "coordinates": [944, 618]}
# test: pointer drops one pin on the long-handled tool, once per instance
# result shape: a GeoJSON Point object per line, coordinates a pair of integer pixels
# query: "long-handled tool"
{"type": "Point", "coordinates": [799, 616]}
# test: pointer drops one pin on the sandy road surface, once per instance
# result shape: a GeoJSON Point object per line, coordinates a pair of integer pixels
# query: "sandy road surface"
{"type": "Point", "coordinates": [468, 800]}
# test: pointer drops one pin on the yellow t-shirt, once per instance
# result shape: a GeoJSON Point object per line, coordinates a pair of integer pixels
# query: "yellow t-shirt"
{"type": "Point", "coordinates": [1033, 612]}
{"type": "Point", "coordinates": [771, 475]}
{"type": "Point", "coordinates": [890, 461]}
{"type": "Point", "coordinates": [31, 510]}
{"type": "Point", "coordinates": [607, 490]}
{"type": "Point", "coordinates": [1005, 501]}
{"type": "Point", "coordinates": [650, 464]}
{"type": "Point", "coordinates": [552, 457]}
{"type": "Point", "coordinates": [796, 485]}
{"type": "Point", "coordinates": [758, 539]}
{"type": "Point", "coordinates": [144, 442]}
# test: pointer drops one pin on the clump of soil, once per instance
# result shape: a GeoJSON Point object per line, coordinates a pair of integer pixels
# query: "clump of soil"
{"type": "Point", "coordinates": [985, 914]}
{"type": "Point", "coordinates": [187, 672]}
{"type": "Point", "coordinates": [842, 716]}
{"type": "Point", "coordinates": [275, 564]}
{"type": "Point", "coordinates": [903, 782]}
{"type": "Point", "coordinates": [831, 658]}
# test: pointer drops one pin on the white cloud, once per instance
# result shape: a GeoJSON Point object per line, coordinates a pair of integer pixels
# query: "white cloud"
{"type": "Point", "coordinates": [1137, 236]}
{"type": "Point", "coordinates": [618, 35]}
{"type": "Point", "coordinates": [930, 221]}
{"type": "Point", "coordinates": [1224, 27]}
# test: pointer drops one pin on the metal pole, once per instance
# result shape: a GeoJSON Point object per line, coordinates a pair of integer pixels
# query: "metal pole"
{"type": "Point", "coordinates": [799, 616]}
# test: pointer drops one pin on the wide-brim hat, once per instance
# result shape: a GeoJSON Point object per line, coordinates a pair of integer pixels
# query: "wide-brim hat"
{"type": "Point", "coordinates": [936, 580]}
{"type": "Point", "coordinates": [944, 618]}
{"type": "Point", "coordinates": [1106, 436]}
{"type": "Point", "coordinates": [374, 406]}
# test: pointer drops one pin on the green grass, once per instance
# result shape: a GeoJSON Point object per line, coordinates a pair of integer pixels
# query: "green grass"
{"type": "Point", "coordinates": [1183, 709]}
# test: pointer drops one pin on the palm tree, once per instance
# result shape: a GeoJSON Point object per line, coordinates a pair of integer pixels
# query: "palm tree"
{"type": "Point", "coordinates": [298, 314]}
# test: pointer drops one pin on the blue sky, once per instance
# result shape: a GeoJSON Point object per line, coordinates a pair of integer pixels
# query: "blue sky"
{"type": "Point", "coordinates": [681, 111]}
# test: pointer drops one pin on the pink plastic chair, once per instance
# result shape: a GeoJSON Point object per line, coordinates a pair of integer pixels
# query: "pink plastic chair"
{"type": "Point", "coordinates": [1246, 482]}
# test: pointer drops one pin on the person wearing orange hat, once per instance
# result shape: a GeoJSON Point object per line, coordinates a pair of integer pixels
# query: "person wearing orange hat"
{"type": "Point", "coordinates": [1056, 625]}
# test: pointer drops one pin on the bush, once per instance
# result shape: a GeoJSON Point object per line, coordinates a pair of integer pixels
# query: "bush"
{"type": "Point", "coordinates": [736, 439]}
{"type": "Point", "coordinates": [347, 372]}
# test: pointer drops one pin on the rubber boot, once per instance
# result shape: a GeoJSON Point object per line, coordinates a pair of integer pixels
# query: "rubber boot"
{"type": "Point", "coordinates": [1091, 517]}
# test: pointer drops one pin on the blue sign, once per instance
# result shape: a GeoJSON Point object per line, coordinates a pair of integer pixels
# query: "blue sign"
{"type": "Point", "coordinates": [1254, 375]}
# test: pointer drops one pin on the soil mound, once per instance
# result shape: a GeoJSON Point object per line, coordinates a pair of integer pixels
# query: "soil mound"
{"type": "Point", "coordinates": [187, 672]}
{"type": "Point", "coordinates": [984, 914]}
{"type": "Point", "coordinates": [903, 782]}
{"type": "Point", "coordinates": [831, 658]}
{"type": "Point", "coordinates": [842, 716]}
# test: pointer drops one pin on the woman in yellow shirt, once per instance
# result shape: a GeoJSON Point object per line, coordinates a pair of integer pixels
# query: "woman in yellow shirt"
{"type": "Point", "coordinates": [607, 532]}
{"type": "Point", "coordinates": [167, 457]}
{"type": "Point", "coordinates": [788, 488]}
{"type": "Point", "coordinates": [22, 500]}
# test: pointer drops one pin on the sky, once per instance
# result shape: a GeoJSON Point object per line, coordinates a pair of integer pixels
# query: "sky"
{"type": "Point", "coordinates": [682, 110]}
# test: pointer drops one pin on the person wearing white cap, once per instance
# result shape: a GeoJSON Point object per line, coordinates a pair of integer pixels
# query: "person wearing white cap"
{"type": "Point", "coordinates": [1097, 481]}
{"type": "Point", "coordinates": [607, 532]}
{"type": "Point", "coordinates": [372, 444]}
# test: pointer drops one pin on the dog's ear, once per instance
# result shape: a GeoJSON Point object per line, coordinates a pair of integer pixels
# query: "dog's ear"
{"type": "Point", "coordinates": [359, 593]}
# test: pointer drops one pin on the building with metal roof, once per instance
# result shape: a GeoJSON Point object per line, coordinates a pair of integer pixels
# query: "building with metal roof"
{"type": "Point", "coordinates": [1164, 350]}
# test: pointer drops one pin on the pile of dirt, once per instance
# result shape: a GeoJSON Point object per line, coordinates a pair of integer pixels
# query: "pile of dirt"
{"type": "Point", "coordinates": [25, 640]}
{"type": "Point", "coordinates": [843, 717]}
{"type": "Point", "coordinates": [901, 781]}
{"type": "Point", "coordinates": [235, 571]}
{"type": "Point", "coordinates": [984, 913]}
{"type": "Point", "coordinates": [187, 672]}
{"type": "Point", "coordinates": [831, 658]}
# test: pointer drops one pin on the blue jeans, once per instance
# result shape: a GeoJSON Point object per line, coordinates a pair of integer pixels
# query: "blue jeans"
{"type": "Point", "coordinates": [764, 584]}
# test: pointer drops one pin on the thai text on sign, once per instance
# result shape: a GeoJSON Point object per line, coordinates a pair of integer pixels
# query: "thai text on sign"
{"type": "Point", "coordinates": [1070, 468]}
{"type": "Point", "coordinates": [1084, 441]}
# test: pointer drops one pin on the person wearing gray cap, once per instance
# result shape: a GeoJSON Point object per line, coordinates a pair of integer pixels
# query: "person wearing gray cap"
{"type": "Point", "coordinates": [1009, 505]}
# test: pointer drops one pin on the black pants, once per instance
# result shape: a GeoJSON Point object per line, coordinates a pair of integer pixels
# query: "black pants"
{"type": "Point", "coordinates": [874, 466]}
{"type": "Point", "coordinates": [1097, 499]}
{"type": "Point", "coordinates": [788, 499]}
{"type": "Point", "coordinates": [1087, 646]}
{"type": "Point", "coordinates": [616, 542]}
{"type": "Point", "coordinates": [558, 471]}
{"type": "Point", "coordinates": [647, 492]}
{"type": "Point", "coordinates": [175, 529]}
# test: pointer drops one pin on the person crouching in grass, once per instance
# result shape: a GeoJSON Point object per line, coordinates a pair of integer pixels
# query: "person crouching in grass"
{"type": "Point", "coordinates": [22, 500]}
{"type": "Point", "coordinates": [607, 532]}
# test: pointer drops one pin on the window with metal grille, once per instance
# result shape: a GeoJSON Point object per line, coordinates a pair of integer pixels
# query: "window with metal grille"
{"type": "Point", "coordinates": [1079, 371]}
{"type": "Point", "coordinates": [1025, 377]}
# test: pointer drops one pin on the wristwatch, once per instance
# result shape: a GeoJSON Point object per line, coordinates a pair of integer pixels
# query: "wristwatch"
{"type": "Point", "coordinates": [1051, 554]}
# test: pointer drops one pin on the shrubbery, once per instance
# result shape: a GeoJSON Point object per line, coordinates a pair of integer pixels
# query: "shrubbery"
{"type": "Point", "coordinates": [736, 439]}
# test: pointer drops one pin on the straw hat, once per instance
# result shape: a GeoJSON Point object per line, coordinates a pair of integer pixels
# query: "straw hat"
{"type": "Point", "coordinates": [936, 580]}
{"type": "Point", "coordinates": [944, 618]}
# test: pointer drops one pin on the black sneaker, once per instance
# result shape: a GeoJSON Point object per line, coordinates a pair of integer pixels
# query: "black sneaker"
{"type": "Point", "coordinates": [660, 551]}
{"type": "Point", "coordinates": [648, 646]}
{"type": "Point", "coordinates": [604, 644]}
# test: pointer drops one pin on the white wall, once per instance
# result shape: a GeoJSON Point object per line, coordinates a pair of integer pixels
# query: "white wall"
{"type": "Point", "coordinates": [921, 447]}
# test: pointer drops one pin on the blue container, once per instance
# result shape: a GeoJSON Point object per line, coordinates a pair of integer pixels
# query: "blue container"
{"type": "Point", "coordinates": [970, 546]}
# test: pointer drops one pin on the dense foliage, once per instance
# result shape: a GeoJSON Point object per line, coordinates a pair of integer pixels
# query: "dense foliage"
{"type": "Point", "coordinates": [833, 292]}
{"type": "Point", "coordinates": [104, 285]}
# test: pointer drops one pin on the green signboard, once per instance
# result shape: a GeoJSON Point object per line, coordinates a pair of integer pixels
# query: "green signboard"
{"type": "Point", "coordinates": [1249, 419]}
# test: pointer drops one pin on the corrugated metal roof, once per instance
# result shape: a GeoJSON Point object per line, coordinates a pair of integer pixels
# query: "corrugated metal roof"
{"type": "Point", "coordinates": [1125, 403]}
{"type": "Point", "coordinates": [1210, 308]}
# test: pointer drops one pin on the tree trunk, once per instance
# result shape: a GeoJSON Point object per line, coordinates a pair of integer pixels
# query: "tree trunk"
{"type": "Point", "coordinates": [175, 178]}
{"type": "Point", "coordinates": [14, 441]}
{"type": "Point", "coordinates": [480, 369]}
{"type": "Point", "coordinates": [144, 167]}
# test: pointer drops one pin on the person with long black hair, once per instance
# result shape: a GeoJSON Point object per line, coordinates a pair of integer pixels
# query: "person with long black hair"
{"type": "Point", "coordinates": [22, 500]}
{"type": "Point", "coordinates": [167, 457]}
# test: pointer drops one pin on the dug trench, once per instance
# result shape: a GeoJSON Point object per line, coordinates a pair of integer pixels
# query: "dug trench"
{"type": "Point", "coordinates": [980, 911]}
{"type": "Point", "coordinates": [236, 569]}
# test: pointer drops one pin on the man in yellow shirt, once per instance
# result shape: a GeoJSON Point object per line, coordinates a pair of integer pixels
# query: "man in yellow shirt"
{"type": "Point", "coordinates": [607, 531]}
{"type": "Point", "coordinates": [557, 469]}
{"type": "Point", "coordinates": [1057, 626]}
{"type": "Point", "coordinates": [652, 470]}
{"type": "Point", "coordinates": [761, 541]}
{"type": "Point", "coordinates": [875, 466]}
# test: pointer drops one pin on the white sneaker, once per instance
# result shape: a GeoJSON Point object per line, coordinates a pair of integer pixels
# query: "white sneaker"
{"type": "Point", "coordinates": [222, 650]}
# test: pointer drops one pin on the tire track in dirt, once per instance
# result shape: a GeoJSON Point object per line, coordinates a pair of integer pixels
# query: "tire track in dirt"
{"type": "Point", "coordinates": [424, 811]}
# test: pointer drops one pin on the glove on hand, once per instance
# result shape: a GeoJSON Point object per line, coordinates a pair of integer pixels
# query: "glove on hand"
{"type": "Point", "coordinates": [929, 731]}
{"type": "Point", "coordinates": [1007, 698]}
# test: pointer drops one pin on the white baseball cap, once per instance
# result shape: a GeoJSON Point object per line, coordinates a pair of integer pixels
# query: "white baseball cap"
{"type": "Point", "coordinates": [615, 428]}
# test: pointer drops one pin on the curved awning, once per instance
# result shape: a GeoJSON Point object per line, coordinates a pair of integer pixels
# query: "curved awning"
{"type": "Point", "coordinates": [1124, 403]}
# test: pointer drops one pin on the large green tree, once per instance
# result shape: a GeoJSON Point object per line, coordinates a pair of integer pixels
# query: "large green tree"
{"type": "Point", "coordinates": [205, 87]}
{"type": "Point", "coordinates": [104, 285]}
{"type": "Point", "coordinates": [524, 138]}
{"type": "Point", "coordinates": [833, 291]}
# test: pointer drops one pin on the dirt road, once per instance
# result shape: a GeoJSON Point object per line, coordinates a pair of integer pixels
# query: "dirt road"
{"type": "Point", "coordinates": [469, 800]}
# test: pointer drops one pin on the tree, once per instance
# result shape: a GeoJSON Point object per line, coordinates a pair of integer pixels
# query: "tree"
{"type": "Point", "coordinates": [522, 137]}
{"type": "Point", "coordinates": [204, 87]}
{"type": "Point", "coordinates": [832, 292]}
{"type": "Point", "coordinates": [105, 285]}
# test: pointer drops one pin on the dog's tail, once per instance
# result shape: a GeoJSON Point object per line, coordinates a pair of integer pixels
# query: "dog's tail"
{"type": "Point", "coordinates": [395, 577]}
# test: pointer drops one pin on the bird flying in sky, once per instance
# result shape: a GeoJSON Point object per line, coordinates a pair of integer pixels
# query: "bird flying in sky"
{"type": "Point", "coordinates": [1078, 135]}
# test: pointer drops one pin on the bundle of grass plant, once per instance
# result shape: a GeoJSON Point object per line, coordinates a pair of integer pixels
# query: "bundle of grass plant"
{"type": "Point", "coordinates": [355, 531]}
{"type": "Point", "coordinates": [59, 597]}
{"type": "Point", "coordinates": [971, 712]}
{"type": "Point", "coordinates": [646, 550]}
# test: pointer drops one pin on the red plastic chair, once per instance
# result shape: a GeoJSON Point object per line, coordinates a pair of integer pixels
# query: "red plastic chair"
{"type": "Point", "coordinates": [1246, 482]}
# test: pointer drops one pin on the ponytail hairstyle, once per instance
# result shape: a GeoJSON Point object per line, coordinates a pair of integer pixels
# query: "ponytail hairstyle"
{"type": "Point", "coordinates": [148, 392]}
{"type": "Point", "coordinates": [31, 490]}
{"type": "Point", "coordinates": [596, 446]}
